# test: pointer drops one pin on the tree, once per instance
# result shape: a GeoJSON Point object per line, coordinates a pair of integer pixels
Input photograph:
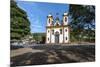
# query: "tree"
{"type": "Point", "coordinates": [39, 37]}
{"type": "Point", "coordinates": [20, 25]}
{"type": "Point", "coordinates": [82, 21]}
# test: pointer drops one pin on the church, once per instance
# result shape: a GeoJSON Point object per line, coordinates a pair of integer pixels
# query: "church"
{"type": "Point", "coordinates": [57, 31]}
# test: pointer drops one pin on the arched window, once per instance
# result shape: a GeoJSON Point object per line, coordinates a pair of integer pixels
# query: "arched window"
{"type": "Point", "coordinates": [65, 19]}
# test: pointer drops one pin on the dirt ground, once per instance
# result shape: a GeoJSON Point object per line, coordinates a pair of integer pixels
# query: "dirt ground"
{"type": "Point", "coordinates": [66, 54]}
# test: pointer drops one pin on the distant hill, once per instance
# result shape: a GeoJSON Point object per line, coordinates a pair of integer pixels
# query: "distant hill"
{"type": "Point", "coordinates": [39, 37]}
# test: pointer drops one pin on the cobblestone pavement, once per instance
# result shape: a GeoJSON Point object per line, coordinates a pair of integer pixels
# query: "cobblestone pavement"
{"type": "Point", "coordinates": [37, 55]}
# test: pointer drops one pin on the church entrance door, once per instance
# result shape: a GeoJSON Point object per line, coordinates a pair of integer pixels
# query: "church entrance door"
{"type": "Point", "coordinates": [57, 37]}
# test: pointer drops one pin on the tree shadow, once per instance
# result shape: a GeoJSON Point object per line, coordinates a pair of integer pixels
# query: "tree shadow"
{"type": "Point", "coordinates": [55, 56]}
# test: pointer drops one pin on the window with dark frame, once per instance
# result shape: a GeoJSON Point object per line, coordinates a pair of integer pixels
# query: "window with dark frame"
{"type": "Point", "coordinates": [49, 20]}
{"type": "Point", "coordinates": [48, 31]}
{"type": "Point", "coordinates": [66, 38]}
{"type": "Point", "coordinates": [65, 19]}
{"type": "Point", "coordinates": [57, 24]}
{"type": "Point", "coordinates": [48, 39]}
{"type": "Point", "coordinates": [66, 30]}
{"type": "Point", "coordinates": [52, 31]}
{"type": "Point", "coordinates": [60, 31]}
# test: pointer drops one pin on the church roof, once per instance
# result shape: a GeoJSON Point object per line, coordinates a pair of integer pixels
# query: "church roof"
{"type": "Point", "coordinates": [65, 14]}
{"type": "Point", "coordinates": [57, 21]}
{"type": "Point", "coordinates": [57, 18]}
{"type": "Point", "coordinates": [49, 15]}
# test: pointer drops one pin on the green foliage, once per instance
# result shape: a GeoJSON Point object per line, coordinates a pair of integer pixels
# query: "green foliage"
{"type": "Point", "coordinates": [82, 22]}
{"type": "Point", "coordinates": [39, 37]}
{"type": "Point", "coordinates": [20, 25]}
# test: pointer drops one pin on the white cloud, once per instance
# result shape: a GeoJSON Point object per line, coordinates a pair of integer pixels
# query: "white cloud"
{"type": "Point", "coordinates": [36, 24]}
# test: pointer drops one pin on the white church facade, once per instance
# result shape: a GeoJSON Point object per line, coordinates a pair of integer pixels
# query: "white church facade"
{"type": "Point", "coordinates": [56, 31]}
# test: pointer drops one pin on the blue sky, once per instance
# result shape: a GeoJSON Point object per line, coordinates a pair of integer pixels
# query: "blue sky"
{"type": "Point", "coordinates": [37, 13]}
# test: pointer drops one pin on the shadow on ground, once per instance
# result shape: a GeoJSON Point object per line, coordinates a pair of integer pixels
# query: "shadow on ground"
{"type": "Point", "coordinates": [53, 56]}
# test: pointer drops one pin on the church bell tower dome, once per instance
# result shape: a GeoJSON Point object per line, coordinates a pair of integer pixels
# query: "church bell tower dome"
{"type": "Point", "coordinates": [49, 20]}
{"type": "Point", "coordinates": [65, 18]}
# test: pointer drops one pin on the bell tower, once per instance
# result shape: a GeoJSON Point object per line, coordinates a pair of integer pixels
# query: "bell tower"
{"type": "Point", "coordinates": [66, 28]}
{"type": "Point", "coordinates": [65, 19]}
{"type": "Point", "coordinates": [49, 20]}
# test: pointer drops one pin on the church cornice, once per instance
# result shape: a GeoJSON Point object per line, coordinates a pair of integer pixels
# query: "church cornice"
{"type": "Point", "coordinates": [57, 26]}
